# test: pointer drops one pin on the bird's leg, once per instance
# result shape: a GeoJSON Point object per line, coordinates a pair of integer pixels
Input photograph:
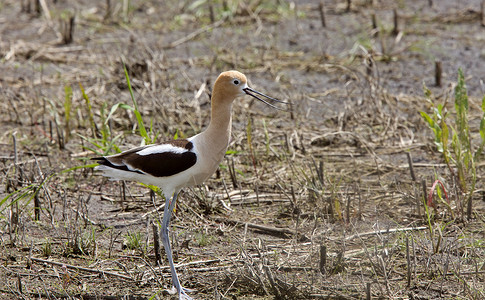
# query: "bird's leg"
{"type": "Point", "coordinates": [167, 213]}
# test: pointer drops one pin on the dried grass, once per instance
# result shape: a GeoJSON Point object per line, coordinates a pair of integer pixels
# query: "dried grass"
{"type": "Point", "coordinates": [333, 173]}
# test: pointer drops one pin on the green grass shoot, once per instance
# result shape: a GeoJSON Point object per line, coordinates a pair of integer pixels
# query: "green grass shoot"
{"type": "Point", "coordinates": [90, 111]}
{"type": "Point", "coordinates": [458, 153]}
{"type": "Point", "coordinates": [67, 111]}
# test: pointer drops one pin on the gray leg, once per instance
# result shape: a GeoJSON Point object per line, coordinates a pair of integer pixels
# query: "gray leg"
{"type": "Point", "coordinates": [167, 213]}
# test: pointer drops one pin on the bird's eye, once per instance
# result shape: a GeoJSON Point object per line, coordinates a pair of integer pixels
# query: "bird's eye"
{"type": "Point", "coordinates": [236, 82]}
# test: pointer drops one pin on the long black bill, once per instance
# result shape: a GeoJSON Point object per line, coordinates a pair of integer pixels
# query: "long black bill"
{"type": "Point", "coordinates": [249, 91]}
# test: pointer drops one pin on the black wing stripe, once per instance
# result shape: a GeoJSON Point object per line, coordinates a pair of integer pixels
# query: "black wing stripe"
{"type": "Point", "coordinates": [162, 164]}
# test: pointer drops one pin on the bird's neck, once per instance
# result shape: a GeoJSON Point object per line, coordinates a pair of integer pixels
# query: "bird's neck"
{"type": "Point", "coordinates": [219, 130]}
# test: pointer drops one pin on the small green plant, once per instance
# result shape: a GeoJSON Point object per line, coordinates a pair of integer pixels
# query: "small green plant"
{"type": "Point", "coordinates": [67, 111]}
{"type": "Point", "coordinates": [134, 241]}
{"type": "Point", "coordinates": [89, 107]}
{"type": "Point", "coordinates": [106, 143]}
{"type": "Point", "coordinates": [46, 248]}
{"type": "Point", "coordinates": [458, 153]}
{"type": "Point", "coordinates": [148, 138]}
{"type": "Point", "coordinates": [23, 194]}
{"type": "Point", "coordinates": [204, 239]}
{"type": "Point", "coordinates": [81, 243]}
{"type": "Point", "coordinates": [27, 192]}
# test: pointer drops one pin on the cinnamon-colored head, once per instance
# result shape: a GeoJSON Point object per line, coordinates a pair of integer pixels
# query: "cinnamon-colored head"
{"type": "Point", "coordinates": [229, 85]}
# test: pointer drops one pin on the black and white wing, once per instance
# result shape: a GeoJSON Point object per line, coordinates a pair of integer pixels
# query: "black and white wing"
{"type": "Point", "coordinates": [158, 160]}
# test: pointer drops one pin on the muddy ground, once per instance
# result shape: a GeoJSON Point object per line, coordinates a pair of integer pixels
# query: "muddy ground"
{"type": "Point", "coordinates": [319, 202]}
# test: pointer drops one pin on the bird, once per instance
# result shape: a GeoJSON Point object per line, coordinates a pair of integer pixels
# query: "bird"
{"type": "Point", "coordinates": [177, 164]}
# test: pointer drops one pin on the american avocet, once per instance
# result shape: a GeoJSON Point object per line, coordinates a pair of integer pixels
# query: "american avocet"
{"type": "Point", "coordinates": [180, 163]}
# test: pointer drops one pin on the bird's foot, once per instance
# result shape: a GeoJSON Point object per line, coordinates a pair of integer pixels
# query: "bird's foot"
{"type": "Point", "coordinates": [182, 293]}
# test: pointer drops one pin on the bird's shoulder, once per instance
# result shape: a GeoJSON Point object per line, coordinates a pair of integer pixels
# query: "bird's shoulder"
{"type": "Point", "coordinates": [175, 146]}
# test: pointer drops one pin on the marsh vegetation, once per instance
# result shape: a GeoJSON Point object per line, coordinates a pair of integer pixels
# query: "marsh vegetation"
{"type": "Point", "coordinates": [371, 187]}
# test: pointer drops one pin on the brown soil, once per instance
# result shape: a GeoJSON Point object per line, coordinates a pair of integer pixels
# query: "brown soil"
{"type": "Point", "coordinates": [330, 177]}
